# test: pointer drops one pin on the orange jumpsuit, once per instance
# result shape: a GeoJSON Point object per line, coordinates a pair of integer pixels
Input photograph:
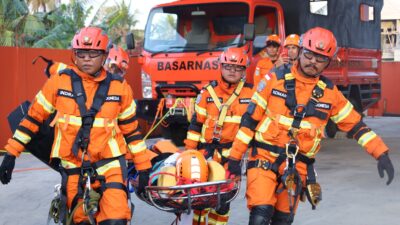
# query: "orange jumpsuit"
{"type": "Point", "coordinates": [263, 67]}
{"type": "Point", "coordinates": [268, 120]}
{"type": "Point", "coordinates": [114, 134]}
{"type": "Point", "coordinates": [201, 131]}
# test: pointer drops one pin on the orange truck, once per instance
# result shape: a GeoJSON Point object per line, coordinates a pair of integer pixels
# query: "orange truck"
{"type": "Point", "coordinates": [183, 39]}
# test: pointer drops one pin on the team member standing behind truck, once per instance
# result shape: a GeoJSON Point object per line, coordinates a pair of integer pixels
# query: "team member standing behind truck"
{"type": "Point", "coordinates": [218, 111]}
{"type": "Point", "coordinates": [285, 121]}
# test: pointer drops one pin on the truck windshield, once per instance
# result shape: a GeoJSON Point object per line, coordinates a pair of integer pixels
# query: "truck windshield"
{"type": "Point", "coordinates": [194, 28]}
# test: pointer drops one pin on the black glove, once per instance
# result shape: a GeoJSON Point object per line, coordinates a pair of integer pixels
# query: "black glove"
{"type": "Point", "coordinates": [234, 167]}
{"type": "Point", "coordinates": [6, 168]}
{"type": "Point", "coordinates": [144, 176]}
{"type": "Point", "coordinates": [384, 163]}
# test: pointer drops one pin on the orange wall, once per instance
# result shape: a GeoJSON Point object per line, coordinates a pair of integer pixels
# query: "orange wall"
{"type": "Point", "coordinates": [21, 80]}
{"type": "Point", "coordinates": [390, 98]}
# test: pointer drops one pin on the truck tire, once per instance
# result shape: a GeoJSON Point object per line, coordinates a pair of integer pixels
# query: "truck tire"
{"type": "Point", "coordinates": [331, 129]}
{"type": "Point", "coordinates": [176, 132]}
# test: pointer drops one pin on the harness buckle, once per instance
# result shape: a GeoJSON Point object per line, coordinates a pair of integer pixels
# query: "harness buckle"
{"type": "Point", "coordinates": [299, 111]}
{"type": "Point", "coordinates": [217, 132]}
{"type": "Point", "coordinates": [292, 149]}
{"type": "Point", "coordinates": [263, 164]}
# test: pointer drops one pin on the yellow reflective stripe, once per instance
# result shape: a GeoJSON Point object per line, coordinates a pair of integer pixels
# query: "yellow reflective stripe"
{"type": "Point", "coordinates": [22, 137]}
{"type": "Point", "coordinates": [77, 121]}
{"type": "Point", "coordinates": [214, 96]}
{"type": "Point", "coordinates": [113, 164]}
{"type": "Point", "coordinates": [321, 84]}
{"type": "Point", "coordinates": [258, 137]}
{"type": "Point", "coordinates": [114, 147]}
{"type": "Point", "coordinates": [259, 100]}
{"type": "Point", "coordinates": [314, 148]}
{"type": "Point", "coordinates": [264, 125]}
{"type": "Point", "coordinates": [202, 218]}
{"type": "Point", "coordinates": [68, 165]}
{"type": "Point", "coordinates": [289, 121]}
{"type": "Point", "coordinates": [192, 136]}
{"type": "Point", "coordinates": [343, 113]}
{"type": "Point", "coordinates": [232, 119]}
{"type": "Point", "coordinates": [140, 146]}
{"type": "Point", "coordinates": [56, 149]}
{"type": "Point", "coordinates": [243, 137]}
{"type": "Point", "coordinates": [367, 137]}
{"type": "Point", "coordinates": [128, 112]}
{"type": "Point", "coordinates": [60, 67]}
{"type": "Point", "coordinates": [226, 152]}
{"type": "Point", "coordinates": [44, 103]}
{"type": "Point", "coordinates": [289, 76]}
{"type": "Point", "coordinates": [200, 110]}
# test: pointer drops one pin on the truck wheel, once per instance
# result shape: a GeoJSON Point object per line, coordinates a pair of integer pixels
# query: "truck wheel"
{"type": "Point", "coordinates": [176, 132]}
{"type": "Point", "coordinates": [331, 129]}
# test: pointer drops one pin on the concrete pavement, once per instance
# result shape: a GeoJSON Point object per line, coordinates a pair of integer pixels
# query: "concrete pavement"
{"type": "Point", "coordinates": [353, 193]}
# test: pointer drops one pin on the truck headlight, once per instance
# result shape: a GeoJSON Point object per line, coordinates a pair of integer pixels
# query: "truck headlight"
{"type": "Point", "coordinates": [146, 86]}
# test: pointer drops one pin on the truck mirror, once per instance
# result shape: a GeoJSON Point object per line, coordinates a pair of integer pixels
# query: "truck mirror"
{"type": "Point", "coordinates": [130, 41]}
{"type": "Point", "coordinates": [249, 31]}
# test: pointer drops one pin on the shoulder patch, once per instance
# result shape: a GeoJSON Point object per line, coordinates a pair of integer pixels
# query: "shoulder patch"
{"type": "Point", "coordinates": [261, 86]}
{"type": "Point", "coordinates": [279, 93]}
{"type": "Point", "coordinates": [267, 76]}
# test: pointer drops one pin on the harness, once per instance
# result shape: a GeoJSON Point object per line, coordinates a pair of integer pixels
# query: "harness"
{"type": "Point", "coordinates": [88, 171]}
{"type": "Point", "coordinates": [290, 179]}
{"type": "Point", "coordinates": [223, 110]}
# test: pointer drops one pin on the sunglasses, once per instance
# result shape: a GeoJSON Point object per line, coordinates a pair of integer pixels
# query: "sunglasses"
{"type": "Point", "coordinates": [91, 53]}
{"type": "Point", "coordinates": [319, 58]}
{"type": "Point", "coordinates": [235, 67]}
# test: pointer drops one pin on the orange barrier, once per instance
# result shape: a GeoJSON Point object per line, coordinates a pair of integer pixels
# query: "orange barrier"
{"type": "Point", "coordinates": [389, 105]}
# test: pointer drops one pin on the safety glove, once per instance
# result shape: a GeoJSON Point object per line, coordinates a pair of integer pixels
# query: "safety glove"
{"type": "Point", "coordinates": [144, 176]}
{"type": "Point", "coordinates": [384, 163]}
{"type": "Point", "coordinates": [234, 167]}
{"type": "Point", "coordinates": [6, 168]}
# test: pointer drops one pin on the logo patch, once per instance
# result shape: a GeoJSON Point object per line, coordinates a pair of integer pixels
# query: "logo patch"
{"type": "Point", "coordinates": [244, 100]}
{"type": "Point", "coordinates": [65, 93]}
{"type": "Point", "coordinates": [322, 105]}
{"type": "Point", "coordinates": [278, 93]}
{"type": "Point", "coordinates": [113, 98]}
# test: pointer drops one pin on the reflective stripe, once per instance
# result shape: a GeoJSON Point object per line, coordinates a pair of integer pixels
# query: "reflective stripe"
{"type": "Point", "coordinates": [258, 137]}
{"type": "Point", "coordinates": [202, 217]}
{"type": "Point", "coordinates": [193, 137]}
{"type": "Point", "coordinates": [56, 149]}
{"type": "Point", "coordinates": [343, 113]}
{"type": "Point", "coordinates": [113, 164]}
{"type": "Point", "coordinates": [226, 152]}
{"type": "Point", "coordinates": [216, 222]}
{"type": "Point", "coordinates": [77, 121]}
{"type": "Point", "coordinates": [113, 144]}
{"type": "Point", "coordinates": [264, 125]}
{"type": "Point", "coordinates": [289, 121]}
{"type": "Point", "coordinates": [60, 67]}
{"type": "Point", "coordinates": [68, 165]}
{"type": "Point", "coordinates": [367, 137]}
{"type": "Point", "coordinates": [128, 112]}
{"type": "Point", "coordinates": [22, 137]}
{"type": "Point", "coordinates": [314, 148]}
{"type": "Point", "coordinates": [203, 134]}
{"type": "Point", "coordinates": [200, 110]}
{"type": "Point", "coordinates": [232, 119]}
{"type": "Point", "coordinates": [259, 100]}
{"type": "Point", "coordinates": [243, 137]}
{"type": "Point", "coordinates": [44, 103]}
{"type": "Point", "coordinates": [140, 146]}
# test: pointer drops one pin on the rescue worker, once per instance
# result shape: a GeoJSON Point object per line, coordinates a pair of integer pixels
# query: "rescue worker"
{"type": "Point", "coordinates": [285, 122]}
{"type": "Point", "coordinates": [292, 46]}
{"type": "Point", "coordinates": [270, 58]}
{"type": "Point", "coordinates": [218, 110]}
{"type": "Point", "coordinates": [117, 61]}
{"type": "Point", "coordinates": [94, 128]}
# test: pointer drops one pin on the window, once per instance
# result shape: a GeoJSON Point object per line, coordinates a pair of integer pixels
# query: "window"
{"type": "Point", "coordinates": [366, 13]}
{"type": "Point", "coordinates": [319, 7]}
{"type": "Point", "coordinates": [265, 22]}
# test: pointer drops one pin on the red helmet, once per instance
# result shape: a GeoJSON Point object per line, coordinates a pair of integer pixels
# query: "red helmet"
{"type": "Point", "coordinates": [292, 39]}
{"type": "Point", "coordinates": [119, 57]}
{"type": "Point", "coordinates": [273, 38]}
{"type": "Point", "coordinates": [319, 40]}
{"type": "Point", "coordinates": [91, 38]}
{"type": "Point", "coordinates": [235, 56]}
{"type": "Point", "coordinates": [192, 166]}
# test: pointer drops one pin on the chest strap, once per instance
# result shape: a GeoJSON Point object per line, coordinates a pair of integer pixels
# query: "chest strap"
{"type": "Point", "coordinates": [83, 137]}
{"type": "Point", "coordinates": [223, 107]}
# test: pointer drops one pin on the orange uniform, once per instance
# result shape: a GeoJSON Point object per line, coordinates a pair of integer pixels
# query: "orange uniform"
{"type": "Point", "coordinates": [263, 68]}
{"type": "Point", "coordinates": [267, 123]}
{"type": "Point", "coordinates": [114, 133]}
